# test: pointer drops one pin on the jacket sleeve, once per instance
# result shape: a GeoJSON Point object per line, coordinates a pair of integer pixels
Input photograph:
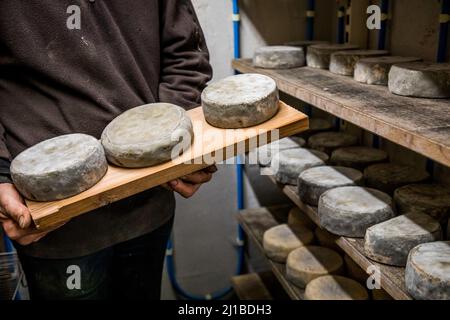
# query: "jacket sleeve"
{"type": "Point", "coordinates": [4, 158]}
{"type": "Point", "coordinates": [185, 67]}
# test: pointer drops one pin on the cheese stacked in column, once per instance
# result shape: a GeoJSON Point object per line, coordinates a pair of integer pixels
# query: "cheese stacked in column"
{"type": "Point", "coordinates": [349, 211]}
{"type": "Point", "coordinates": [279, 57]}
{"type": "Point", "coordinates": [318, 56]}
{"type": "Point", "coordinates": [357, 157]}
{"type": "Point", "coordinates": [329, 141]}
{"type": "Point", "coordinates": [266, 152]}
{"type": "Point", "coordinates": [343, 62]}
{"type": "Point", "coordinates": [335, 288]}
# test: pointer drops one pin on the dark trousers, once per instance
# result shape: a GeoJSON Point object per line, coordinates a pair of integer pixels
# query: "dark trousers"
{"type": "Point", "coordinates": [131, 270]}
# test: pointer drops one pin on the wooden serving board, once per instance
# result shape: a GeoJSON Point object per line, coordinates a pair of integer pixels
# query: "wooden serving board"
{"type": "Point", "coordinates": [119, 183]}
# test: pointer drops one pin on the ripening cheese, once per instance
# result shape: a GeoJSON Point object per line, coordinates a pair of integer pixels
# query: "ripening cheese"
{"type": "Point", "coordinates": [266, 152]}
{"type": "Point", "coordinates": [318, 56]}
{"type": "Point", "coordinates": [279, 57]}
{"type": "Point", "coordinates": [358, 157]}
{"type": "Point", "coordinates": [343, 62]}
{"type": "Point", "coordinates": [329, 141]}
{"type": "Point", "coordinates": [335, 288]}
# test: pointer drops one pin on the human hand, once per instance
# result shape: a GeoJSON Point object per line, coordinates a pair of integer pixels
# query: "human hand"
{"type": "Point", "coordinates": [188, 185]}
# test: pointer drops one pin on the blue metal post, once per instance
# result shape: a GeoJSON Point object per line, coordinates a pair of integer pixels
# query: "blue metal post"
{"type": "Point", "coordinates": [443, 31]}
{"type": "Point", "coordinates": [310, 12]}
{"type": "Point", "coordinates": [383, 30]}
{"type": "Point", "coordinates": [341, 25]}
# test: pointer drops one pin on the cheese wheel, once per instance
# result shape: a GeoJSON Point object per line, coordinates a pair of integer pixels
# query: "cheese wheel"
{"type": "Point", "coordinates": [354, 271]}
{"type": "Point", "coordinates": [305, 43]}
{"type": "Point", "coordinates": [343, 62]}
{"type": "Point", "coordinates": [420, 79]}
{"type": "Point", "coordinates": [349, 211]}
{"type": "Point", "coordinates": [59, 167]}
{"type": "Point", "coordinates": [315, 181]}
{"type": "Point", "coordinates": [279, 241]}
{"type": "Point", "coordinates": [387, 177]}
{"type": "Point", "coordinates": [335, 288]}
{"type": "Point", "coordinates": [390, 242]}
{"type": "Point", "coordinates": [316, 125]}
{"type": "Point", "coordinates": [380, 294]}
{"type": "Point", "coordinates": [279, 57]}
{"type": "Point", "coordinates": [329, 141]}
{"type": "Point", "coordinates": [288, 164]}
{"type": "Point", "coordinates": [375, 70]}
{"type": "Point", "coordinates": [266, 152]}
{"type": "Point", "coordinates": [307, 263]}
{"type": "Point", "coordinates": [327, 240]}
{"type": "Point", "coordinates": [427, 273]}
{"type": "Point", "coordinates": [358, 157]}
{"type": "Point", "coordinates": [297, 218]}
{"type": "Point", "coordinates": [318, 56]}
{"type": "Point", "coordinates": [240, 101]}
{"type": "Point", "coordinates": [432, 199]}
{"type": "Point", "coordinates": [146, 135]}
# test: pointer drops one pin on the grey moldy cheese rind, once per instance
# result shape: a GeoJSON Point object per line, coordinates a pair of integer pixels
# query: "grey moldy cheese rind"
{"type": "Point", "coordinates": [432, 199]}
{"type": "Point", "coordinates": [145, 136]}
{"type": "Point", "coordinates": [315, 181]}
{"type": "Point", "coordinates": [288, 164]}
{"type": "Point", "coordinates": [420, 79]}
{"type": "Point", "coordinates": [343, 62]}
{"type": "Point", "coordinates": [349, 211]}
{"type": "Point", "coordinates": [358, 157]}
{"type": "Point", "coordinates": [60, 167]}
{"type": "Point", "coordinates": [390, 242]}
{"type": "Point", "coordinates": [307, 263]}
{"type": "Point", "coordinates": [240, 101]}
{"type": "Point", "coordinates": [327, 239]}
{"type": "Point", "coordinates": [389, 176]}
{"type": "Point", "coordinates": [329, 141]}
{"type": "Point", "coordinates": [375, 71]}
{"type": "Point", "coordinates": [354, 271]}
{"type": "Point", "coordinates": [279, 57]}
{"type": "Point", "coordinates": [266, 152]}
{"type": "Point", "coordinates": [279, 241]}
{"type": "Point", "coordinates": [427, 273]}
{"type": "Point", "coordinates": [333, 287]}
{"type": "Point", "coordinates": [297, 218]}
{"type": "Point", "coordinates": [318, 56]}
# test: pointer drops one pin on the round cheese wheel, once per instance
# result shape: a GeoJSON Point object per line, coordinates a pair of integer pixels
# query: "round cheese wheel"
{"type": "Point", "coordinates": [315, 181]}
{"type": "Point", "coordinates": [349, 211]}
{"type": "Point", "coordinates": [389, 242]}
{"type": "Point", "coordinates": [279, 241]}
{"type": "Point", "coordinates": [420, 79]}
{"type": "Point", "coordinates": [427, 273]}
{"type": "Point", "coordinates": [375, 70]}
{"type": "Point", "coordinates": [288, 164]}
{"type": "Point", "coordinates": [307, 263]}
{"type": "Point", "coordinates": [327, 240]}
{"type": "Point", "coordinates": [279, 57]}
{"type": "Point", "coordinates": [58, 168]}
{"type": "Point", "coordinates": [318, 56]}
{"type": "Point", "coordinates": [343, 62]}
{"type": "Point", "coordinates": [354, 271]}
{"type": "Point", "coordinates": [266, 152]}
{"type": "Point", "coordinates": [297, 218]}
{"type": "Point", "coordinates": [240, 101]}
{"type": "Point", "coordinates": [305, 43]}
{"type": "Point", "coordinates": [358, 157]}
{"type": "Point", "coordinates": [329, 141]}
{"type": "Point", "coordinates": [380, 294]}
{"type": "Point", "coordinates": [432, 199]}
{"type": "Point", "coordinates": [389, 176]}
{"type": "Point", "coordinates": [145, 136]}
{"type": "Point", "coordinates": [335, 288]}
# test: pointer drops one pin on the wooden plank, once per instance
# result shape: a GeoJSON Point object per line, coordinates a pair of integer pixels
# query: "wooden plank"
{"type": "Point", "coordinates": [422, 125]}
{"type": "Point", "coordinates": [250, 287]}
{"type": "Point", "coordinates": [209, 142]}
{"type": "Point", "coordinates": [392, 278]}
{"type": "Point", "coordinates": [255, 222]}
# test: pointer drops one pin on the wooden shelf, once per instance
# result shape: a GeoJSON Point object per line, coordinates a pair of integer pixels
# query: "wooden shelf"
{"type": "Point", "coordinates": [250, 287]}
{"type": "Point", "coordinates": [422, 125]}
{"type": "Point", "coordinates": [255, 222]}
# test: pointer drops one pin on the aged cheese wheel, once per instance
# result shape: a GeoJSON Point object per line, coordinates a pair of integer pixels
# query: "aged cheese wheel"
{"type": "Point", "coordinates": [279, 57]}
{"type": "Point", "coordinates": [343, 62]}
{"type": "Point", "coordinates": [318, 56]}
{"type": "Point", "coordinates": [375, 70]}
{"type": "Point", "coordinates": [305, 43]}
{"type": "Point", "coordinates": [59, 167]}
{"type": "Point", "coordinates": [427, 273]}
{"type": "Point", "coordinates": [266, 152]}
{"type": "Point", "coordinates": [240, 101]}
{"type": "Point", "coordinates": [297, 218]}
{"type": "Point", "coordinates": [327, 240]}
{"type": "Point", "coordinates": [335, 288]}
{"type": "Point", "coordinates": [307, 263]}
{"type": "Point", "coordinates": [380, 294]}
{"type": "Point", "coordinates": [432, 199]}
{"type": "Point", "coordinates": [387, 177]}
{"type": "Point", "coordinates": [354, 271]}
{"type": "Point", "coordinates": [358, 157]}
{"type": "Point", "coordinates": [145, 136]}
{"type": "Point", "coordinates": [288, 164]}
{"type": "Point", "coordinates": [389, 242]}
{"type": "Point", "coordinates": [349, 211]}
{"type": "Point", "coordinates": [329, 141]}
{"type": "Point", "coordinates": [279, 241]}
{"type": "Point", "coordinates": [420, 79]}
{"type": "Point", "coordinates": [315, 181]}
